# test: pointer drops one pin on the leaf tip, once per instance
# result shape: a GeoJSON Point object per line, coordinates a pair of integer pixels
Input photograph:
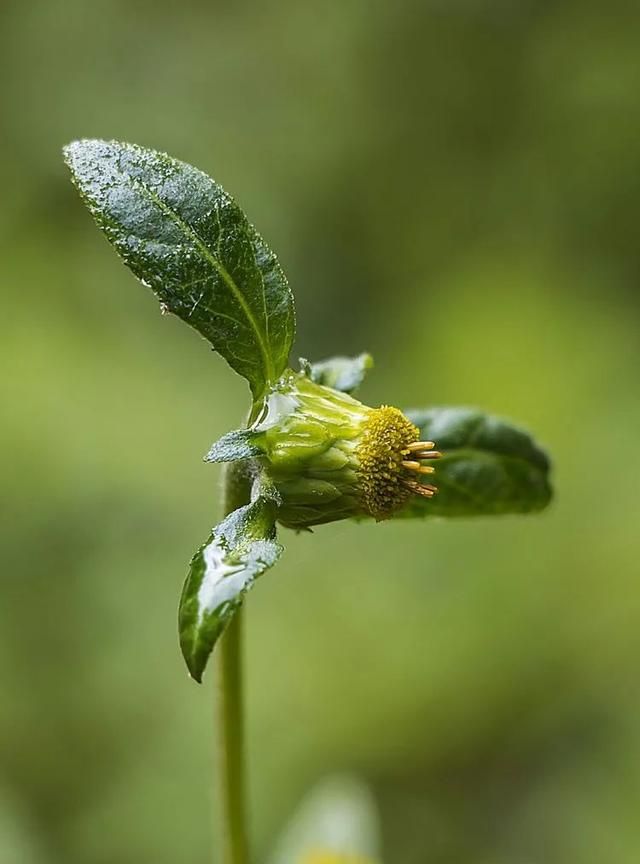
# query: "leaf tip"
{"type": "Point", "coordinates": [85, 153]}
{"type": "Point", "coordinates": [195, 676]}
{"type": "Point", "coordinates": [195, 666]}
{"type": "Point", "coordinates": [69, 153]}
{"type": "Point", "coordinates": [73, 149]}
{"type": "Point", "coordinates": [239, 444]}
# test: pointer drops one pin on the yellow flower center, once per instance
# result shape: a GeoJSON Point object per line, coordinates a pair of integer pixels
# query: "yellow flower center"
{"type": "Point", "coordinates": [390, 461]}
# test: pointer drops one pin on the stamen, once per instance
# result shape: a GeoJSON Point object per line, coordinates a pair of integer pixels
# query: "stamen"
{"type": "Point", "coordinates": [417, 467]}
{"type": "Point", "coordinates": [420, 445]}
{"type": "Point", "coordinates": [426, 491]}
{"type": "Point", "coordinates": [423, 493]}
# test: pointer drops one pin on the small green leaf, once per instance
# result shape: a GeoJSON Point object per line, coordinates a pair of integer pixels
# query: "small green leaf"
{"type": "Point", "coordinates": [186, 239]}
{"type": "Point", "coordinates": [239, 444]}
{"type": "Point", "coordinates": [488, 466]}
{"type": "Point", "coordinates": [341, 373]}
{"type": "Point", "coordinates": [221, 572]}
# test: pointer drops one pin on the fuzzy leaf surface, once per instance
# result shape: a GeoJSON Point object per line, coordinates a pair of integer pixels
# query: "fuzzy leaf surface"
{"type": "Point", "coordinates": [187, 240]}
{"type": "Point", "coordinates": [489, 466]}
{"type": "Point", "coordinates": [221, 572]}
{"type": "Point", "coordinates": [239, 444]}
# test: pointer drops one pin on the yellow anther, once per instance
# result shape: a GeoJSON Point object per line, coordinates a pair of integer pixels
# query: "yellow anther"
{"type": "Point", "coordinates": [425, 490]}
{"type": "Point", "coordinates": [421, 445]}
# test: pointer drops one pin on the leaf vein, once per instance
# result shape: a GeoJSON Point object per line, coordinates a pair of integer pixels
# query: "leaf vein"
{"type": "Point", "coordinates": [199, 242]}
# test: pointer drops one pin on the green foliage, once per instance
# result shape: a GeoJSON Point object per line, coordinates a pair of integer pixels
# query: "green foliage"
{"type": "Point", "coordinates": [238, 550]}
{"type": "Point", "coordinates": [488, 467]}
{"type": "Point", "coordinates": [185, 238]}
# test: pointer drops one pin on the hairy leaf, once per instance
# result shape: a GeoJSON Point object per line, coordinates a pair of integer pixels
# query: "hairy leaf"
{"type": "Point", "coordinates": [488, 466]}
{"type": "Point", "coordinates": [239, 444]}
{"type": "Point", "coordinates": [341, 373]}
{"type": "Point", "coordinates": [221, 572]}
{"type": "Point", "coordinates": [186, 239]}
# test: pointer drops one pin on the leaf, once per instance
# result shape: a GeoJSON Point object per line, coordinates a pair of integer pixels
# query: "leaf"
{"type": "Point", "coordinates": [186, 239]}
{"type": "Point", "coordinates": [488, 466]}
{"type": "Point", "coordinates": [239, 444]}
{"type": "Point", "coordinates": [221, 572]}
{"type": "Point", "coordinates": [341, 373]}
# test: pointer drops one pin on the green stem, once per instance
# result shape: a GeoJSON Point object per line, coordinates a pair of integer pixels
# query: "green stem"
{"type": "Point", "coordinates": [230, 716]}
{"type": "Point", "coordinates": [231, 745]}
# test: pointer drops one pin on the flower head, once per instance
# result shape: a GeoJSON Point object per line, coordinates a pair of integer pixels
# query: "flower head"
{"type": "Point", "coordinates": [331, 457]}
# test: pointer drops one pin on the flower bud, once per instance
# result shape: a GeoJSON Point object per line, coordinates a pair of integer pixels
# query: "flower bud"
{"type": "Point", "coordinates": [331, 457]}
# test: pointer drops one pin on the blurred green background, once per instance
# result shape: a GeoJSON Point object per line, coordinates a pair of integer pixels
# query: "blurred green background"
{"type": "Point", "coordinates": [452, 185]}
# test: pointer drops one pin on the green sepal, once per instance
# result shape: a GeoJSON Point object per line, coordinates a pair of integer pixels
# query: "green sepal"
{"type": "Point", "coordinates": [187, 240]}
{"type": "Point", "coordinates": [340, 373]}
{"type": "Point", "coordinates": [239, 444]}
{"type": "Point", "coordinates": [488, 467]}
{"type": "Point", "coordinates": [221, 572]}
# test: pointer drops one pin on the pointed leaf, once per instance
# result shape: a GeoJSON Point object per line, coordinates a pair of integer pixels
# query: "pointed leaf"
{"type": "Point", "coordinates": [341, 373]}
{"type": "Point", "coordinates": [239, 444]}
{"type": "Point", "coordinates": [488, 466]}
{"type": "Point", "coordinates": [186, 239]}
{"type": "Point", "coordinates": [239, 550]}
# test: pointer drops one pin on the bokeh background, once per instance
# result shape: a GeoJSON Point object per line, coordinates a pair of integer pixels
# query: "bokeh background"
{"type": "Point", "coordinates": [453, 186]}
